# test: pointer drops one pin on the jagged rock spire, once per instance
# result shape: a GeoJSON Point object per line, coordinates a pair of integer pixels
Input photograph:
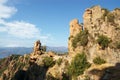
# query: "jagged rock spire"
{"type": "Point", "coordinates": [37, 47]}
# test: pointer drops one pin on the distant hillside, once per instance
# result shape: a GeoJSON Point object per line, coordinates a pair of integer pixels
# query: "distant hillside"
{"type": "Point", "coordinates": [6, 51]}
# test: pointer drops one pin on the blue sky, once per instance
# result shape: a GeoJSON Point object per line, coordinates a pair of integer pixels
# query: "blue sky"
{"type": "Point", "coordinates": [24, 21]}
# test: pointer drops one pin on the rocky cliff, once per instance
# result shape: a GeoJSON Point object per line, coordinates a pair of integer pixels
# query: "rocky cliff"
{"type": "Point", "coordinates": [98, 22]}
{"type": "Point", "coordinates": [94, 52]}
{"type": "Point", "coordinates": [98, 38]}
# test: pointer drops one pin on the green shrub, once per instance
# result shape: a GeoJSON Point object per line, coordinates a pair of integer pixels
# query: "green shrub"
{"type": "Point", "coordinates": [99, 61]}
{"type": "Point", "coordinates": [103, 41]}
{"type": "Point", "coordinates": [48, 61]}
{"type": "Point", "coordinates": [78, 65]}
{"type": "Point", "coordinates": [59, 61]}
{"type": "Point", "coordinates": [81, 39]}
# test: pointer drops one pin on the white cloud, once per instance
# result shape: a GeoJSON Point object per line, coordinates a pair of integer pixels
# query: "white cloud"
{"type": "Point", "coordinates": [20, 30]}
{"type": "Point", "coordinates": [2, 29]}
{"type": "Point", "coordinates": [6, 11]}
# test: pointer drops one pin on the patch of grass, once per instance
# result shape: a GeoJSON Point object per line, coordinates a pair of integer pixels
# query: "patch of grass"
{"type": "Point", "coordinates": [99, 61]}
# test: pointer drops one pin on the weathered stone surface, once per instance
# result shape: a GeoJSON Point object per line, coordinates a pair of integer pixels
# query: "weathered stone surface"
{"type": "Point", "coordinates": [97, 24]}
{"type": "Point", "coordinates": [75, 28]}
{"type": "Point", "coordinates": [37, 47]}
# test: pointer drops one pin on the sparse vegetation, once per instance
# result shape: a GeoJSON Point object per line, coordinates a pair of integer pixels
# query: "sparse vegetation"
{"type": "Point", "coordinates": [81, 39]}
{"type": "Point", "coordinates": [43, 48]}
{"type": "Point", "coordinates": [117, 9]}
{"type": "Point", "coordinates": [48, 61]}
{"type": "Point", "coordinates": [59, 61]}
{"type": "Point", "coordinates": [15, 56]}
{"type": "Point", "coordinates": [78, 65]}
{"type": "Point", "coordinates": [118, 45]}
{"type": "Point", "coordinates": [110, 17]}
{"type": "Point", "coordinates": [87, 77]}
{"type": "Point", "coordinates": [103, 41]}
{"type": "Point", "coordinates": [50, 77]}
{"type": "Point", "coordinates": [99, 61]}
{"type": "Point", "coordinates": [106, 11]}
{"type": "Point", "coordinates": [2, 70]}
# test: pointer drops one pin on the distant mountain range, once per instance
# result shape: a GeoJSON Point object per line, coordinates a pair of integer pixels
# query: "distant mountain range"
{"type": "Point", "coordinates": [6, 51]}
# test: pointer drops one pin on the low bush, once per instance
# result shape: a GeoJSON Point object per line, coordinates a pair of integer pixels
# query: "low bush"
{"type": "Point", "coordinates": [81, 39]}
{"type": "Point", "coordinates": [78, 65]}
{"type": "Point", "coordinates": [48, 61]}
{"type": "Point", "coordinates": [103, 41]}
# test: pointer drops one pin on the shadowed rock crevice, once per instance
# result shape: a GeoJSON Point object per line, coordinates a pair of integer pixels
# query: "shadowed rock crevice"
{"type": "Point", "coordinates": [108, 73]}
{"type": "Point", "coordinates": [34, 72]}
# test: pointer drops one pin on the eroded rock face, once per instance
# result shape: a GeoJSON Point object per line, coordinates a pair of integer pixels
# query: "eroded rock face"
{"type": "Point", "coordinates": [75, 28]}
{"type": "Point", "coordinates": [98, 21]}
{"type": "Point", "coordinates": [37, 47]}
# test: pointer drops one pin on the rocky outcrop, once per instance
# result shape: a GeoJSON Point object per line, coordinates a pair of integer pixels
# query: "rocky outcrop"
{"type": "Point", "coordinates": [98, 21]}
{"type": "Point", "coordinates": [37, 51]}
{"type": "Point", "coordinates": [37, 47]}
{"type": "Point", "coordinates": [75, 28]}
